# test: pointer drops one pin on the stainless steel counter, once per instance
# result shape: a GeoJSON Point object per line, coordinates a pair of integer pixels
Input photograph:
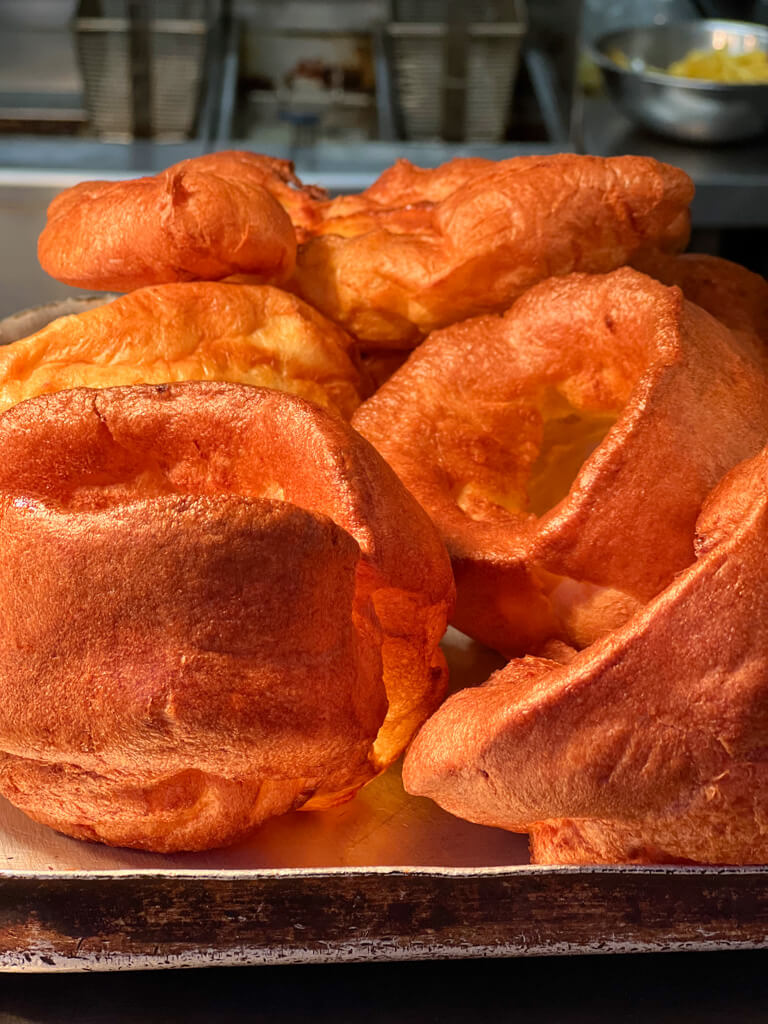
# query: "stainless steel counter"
{"type": "Point", "coordinates": [731, 180]}
{"type": "Point", "coordinates": [339, 167]}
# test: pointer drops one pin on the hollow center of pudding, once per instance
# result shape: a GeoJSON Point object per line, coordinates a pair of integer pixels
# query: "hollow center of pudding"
{"type": "Point", "coordinates": [567, 443]}
{"type": "Point", "coordinates": [528, 457]}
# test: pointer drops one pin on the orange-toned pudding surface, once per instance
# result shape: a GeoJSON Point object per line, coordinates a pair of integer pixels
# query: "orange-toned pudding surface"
{"type": "Point", "coordinates": [201, 219]}
{"type": "Point", "coordinates": [246, 334]}
{"type": "Point", "coordinates": [422, 249]}
{"type": "Point", "coordinates": [565, 448]}
{"type": "Point", "coordinates": [647, 747]}
{"type": "Point", "coordinates": [221, 602]}
{"type": "Point", "coordinates": [218, 604]}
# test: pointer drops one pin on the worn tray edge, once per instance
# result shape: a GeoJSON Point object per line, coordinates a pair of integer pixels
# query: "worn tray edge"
{"type": "Point", "coordinates": [404, 870]}
{"type": "Point", "coordinates": [52, 962]}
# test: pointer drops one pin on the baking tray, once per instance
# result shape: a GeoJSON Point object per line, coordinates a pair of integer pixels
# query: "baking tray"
{"type": "Point", "coordinates": [384, 877]}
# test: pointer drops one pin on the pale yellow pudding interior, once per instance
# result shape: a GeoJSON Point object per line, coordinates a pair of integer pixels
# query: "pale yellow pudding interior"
{"type": "Point", "coordinates": [533, 458]}
{"type": "Point", "coordinates": [567, 443]}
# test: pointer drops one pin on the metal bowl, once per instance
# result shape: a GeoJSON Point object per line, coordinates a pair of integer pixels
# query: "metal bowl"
{"type": "Point", "coordinates": [691, 109]}
{"type": "Point", "coordinates": [29, 321]}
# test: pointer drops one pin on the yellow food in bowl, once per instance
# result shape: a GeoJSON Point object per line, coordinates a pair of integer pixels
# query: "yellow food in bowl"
{"type": "Point", "coordinates": [721, 66]}
{"type": "Point", "coordinates": [710, 65]}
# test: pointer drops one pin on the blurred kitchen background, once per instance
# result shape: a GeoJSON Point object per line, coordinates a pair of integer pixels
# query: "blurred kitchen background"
{"type": "Point", "coordinates": [117, 88]}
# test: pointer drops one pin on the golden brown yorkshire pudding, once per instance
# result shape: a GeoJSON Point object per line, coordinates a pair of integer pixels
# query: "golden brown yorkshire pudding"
{"type": "Point", "coordinates": [218, 604]}
{"type": "Point", "coordinates": [480, 234]}
{"type": "Point", "coordinates": [651, 745]}
{"type": "Point", "coordinates": [197, 331]}
{"type": "Point", "coordinates": [201, 219]}
{"type": "Point", "coordinates": [404, 184]}
{"type": "Point", "coordinates": [736, 296]}
{"type": "Point", "coordinates": [564, 450]}
{"type": "Point", "coordinates": [301, 202]}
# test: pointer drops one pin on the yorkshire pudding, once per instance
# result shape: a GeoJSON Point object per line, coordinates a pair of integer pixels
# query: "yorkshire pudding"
{"type": "Point", "coordinates": [197, 331]}
{"type": "Point", "coordinates": [470, 238]}
{"type": "Point", "coordinates": [218, 604]}
{"type": "Point", "coordinates": [736, 296]}
{"type": "Point", "coordinates": [201, 219]}
{"type": "Point", "coordinates": [651, 745]}
{"type": "Point", "coordinates": [402, 185]}
{"type": "Point", "coordinates": [564, 450]}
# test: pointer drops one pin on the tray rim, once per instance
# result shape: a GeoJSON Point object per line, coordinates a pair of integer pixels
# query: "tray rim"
{"type": "Point", "coordinates": [404, 870]}
{"type": "Point", "coordinates": [149, 920]}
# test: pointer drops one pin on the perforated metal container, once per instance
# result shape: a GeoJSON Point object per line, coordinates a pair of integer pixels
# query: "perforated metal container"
{"type": "Point", "coordinates": [456, 79]}
{"type": "Point", "coordinates": [143, 78]}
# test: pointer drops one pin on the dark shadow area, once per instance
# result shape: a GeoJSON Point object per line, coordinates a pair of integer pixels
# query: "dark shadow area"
{"type": "Point", "coordinates": [661, 988]}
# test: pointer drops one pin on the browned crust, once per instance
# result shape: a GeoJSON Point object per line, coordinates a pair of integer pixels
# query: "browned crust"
{"type": "Point", "coordinates": [234, 610]}
{"type": "Point", "coordinates": [736, 296]}
{"type": "Point", "coordinates": [469, 410]}
{"type": "Point", "coordinates": [468, 239]}
{"type": "Point", "coordinates": [250, 334]}
{"type": "Point", "coordinates": [649, 746]}
{"type": "Point", "coordinates": [201, 219]}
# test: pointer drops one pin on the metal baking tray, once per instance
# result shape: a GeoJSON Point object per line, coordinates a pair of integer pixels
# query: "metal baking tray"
{"type": "Point", "coordinates": [384, 877]}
